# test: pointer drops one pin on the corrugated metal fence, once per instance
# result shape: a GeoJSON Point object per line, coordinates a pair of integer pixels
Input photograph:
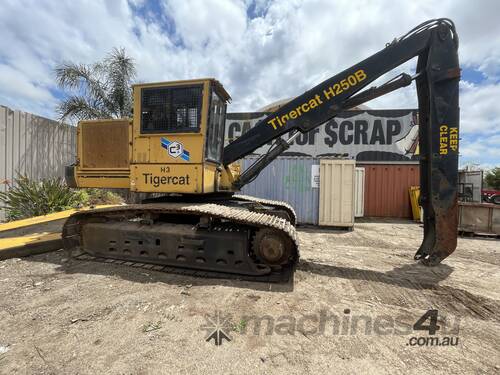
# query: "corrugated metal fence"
{"type": "Point", "coordinates": [33, 146]}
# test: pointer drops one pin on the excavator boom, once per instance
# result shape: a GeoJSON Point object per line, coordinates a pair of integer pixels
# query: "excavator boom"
{"type": "Point", "coordinates": [435, 43]}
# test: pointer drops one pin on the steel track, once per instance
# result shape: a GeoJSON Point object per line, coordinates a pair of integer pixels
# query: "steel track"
{"type": "Point", "coordinates": [237, 215]}
{"type": "Point", "coordinates": [284, 275]}
{"type": "Point", "coordinates": [277, 204]}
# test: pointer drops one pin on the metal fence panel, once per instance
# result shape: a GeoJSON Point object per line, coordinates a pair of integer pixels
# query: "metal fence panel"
{"type": "Point", "coordinates": [33, 146]}
{"type": "Point", "coordinates": [288, 179]}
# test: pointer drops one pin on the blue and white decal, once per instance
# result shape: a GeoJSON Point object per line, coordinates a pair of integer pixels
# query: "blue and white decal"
{"type": "Point", "coordinates": [175, 149]}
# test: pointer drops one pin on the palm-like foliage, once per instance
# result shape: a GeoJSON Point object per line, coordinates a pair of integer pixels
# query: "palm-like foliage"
{"type": "Point", "coordinates": [28, 198]}
{"type": "Point", "coordinates": [100, 90]}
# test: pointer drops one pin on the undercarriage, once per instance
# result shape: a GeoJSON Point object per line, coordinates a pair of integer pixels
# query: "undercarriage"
{"type": "Point", "coordinates": [240, 237]}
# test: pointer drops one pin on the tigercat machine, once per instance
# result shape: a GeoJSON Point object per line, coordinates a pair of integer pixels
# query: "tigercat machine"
{"type": "Point", "coordinates": [174, 147]}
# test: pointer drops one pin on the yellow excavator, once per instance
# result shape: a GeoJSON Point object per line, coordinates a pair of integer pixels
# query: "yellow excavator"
{"type": "Point", "coordinates": [194, 223]}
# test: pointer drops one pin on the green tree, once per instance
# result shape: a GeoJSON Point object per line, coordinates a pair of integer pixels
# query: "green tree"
{"type": "Point", "coordinates": [492, 178]}
{"type": "Point", "coordinates": [99, 90]}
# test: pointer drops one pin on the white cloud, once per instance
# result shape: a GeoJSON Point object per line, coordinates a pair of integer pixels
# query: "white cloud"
{"type": "Point", "coordinates": [286, 47]}
{"type": "Point", "coordinates": [480, 148]}
{"type": "Point", "coordinates": [202, 24]}
{"type": "Point", "coordinates": [480, 151]}
{"type": "Point", "coordinates": [480, 112]}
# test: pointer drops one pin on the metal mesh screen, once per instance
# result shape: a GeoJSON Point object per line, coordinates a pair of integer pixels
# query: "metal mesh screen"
{"type": "Point", "coordinates": [171, 109]}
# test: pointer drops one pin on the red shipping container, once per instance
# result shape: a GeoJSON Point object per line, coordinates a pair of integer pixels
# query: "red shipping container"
{"type": "Point", "coordinates": [386, 189]}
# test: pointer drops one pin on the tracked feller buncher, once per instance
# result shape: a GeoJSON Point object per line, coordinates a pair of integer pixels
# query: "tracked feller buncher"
{"type": "Point", "coordinates": [194, 223]}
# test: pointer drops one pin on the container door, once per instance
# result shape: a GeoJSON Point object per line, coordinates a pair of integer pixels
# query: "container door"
{"type": "Point", "coordinates": [336, 193]}
{"type": "Point", "coordinates": [359, 192]}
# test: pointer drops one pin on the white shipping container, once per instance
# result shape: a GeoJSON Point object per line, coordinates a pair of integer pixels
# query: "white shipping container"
{"type": "Point", "coordinates": [359, 192]}
{"type": "Point", "coordinates": [336, 193]}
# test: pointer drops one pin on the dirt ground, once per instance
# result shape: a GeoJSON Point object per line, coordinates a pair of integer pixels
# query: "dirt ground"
{"type": "Point", "coordinates": [79, 317]}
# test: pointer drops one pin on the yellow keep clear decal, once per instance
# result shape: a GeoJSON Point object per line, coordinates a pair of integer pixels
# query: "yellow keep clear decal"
{"type": "Point", "coordinates": [448, 139]}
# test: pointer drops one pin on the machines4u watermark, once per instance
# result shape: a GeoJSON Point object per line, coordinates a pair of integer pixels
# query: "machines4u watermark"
{"type": "Point", "coordinates": [431, 329]}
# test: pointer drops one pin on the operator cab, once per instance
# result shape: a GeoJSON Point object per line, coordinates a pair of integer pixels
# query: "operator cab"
{"type": "Point", "coordinates": [178, 136]}
{"type": "Point", "coordinates": [194, 106]}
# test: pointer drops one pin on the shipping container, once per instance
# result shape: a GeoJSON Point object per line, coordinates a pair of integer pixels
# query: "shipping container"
{"type": "Point", "coordinates": [291, 179]}
{"type": "Point", "coordinates": [336, 193]}
{"type": "Point", "coordinates": [386, 189]}
{"type": "Point", "coordinates": [359, 192]}
{"type": "Point", "coordinates": [295, 180]}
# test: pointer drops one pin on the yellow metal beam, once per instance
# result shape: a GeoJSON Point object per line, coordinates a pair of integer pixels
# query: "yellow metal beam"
{"type": "Point", "coordinates": [30, 239]}
{"type": "Point", "coordinates": [45, 218]}
{"type": "Point", "coordinates": [35, 243]}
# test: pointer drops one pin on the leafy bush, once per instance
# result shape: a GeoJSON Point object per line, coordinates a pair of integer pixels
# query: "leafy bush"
{"type": "Point", "coordinates": [29, 198]}
{"type": "Point", "coordinates": [492, 178]}
{"type": "Point", "coordinates": [92, 197]}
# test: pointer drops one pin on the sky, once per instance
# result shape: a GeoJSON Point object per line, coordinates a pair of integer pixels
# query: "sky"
{"type": "Point", "coordinates": [261, 51]}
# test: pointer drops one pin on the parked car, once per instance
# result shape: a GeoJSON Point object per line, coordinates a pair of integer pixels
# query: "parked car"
{"type": "Point", "coordinates": [491, 196]}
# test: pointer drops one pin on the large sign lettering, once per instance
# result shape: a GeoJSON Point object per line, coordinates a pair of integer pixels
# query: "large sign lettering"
{"type": "Point", "coordinates": [374, 135]}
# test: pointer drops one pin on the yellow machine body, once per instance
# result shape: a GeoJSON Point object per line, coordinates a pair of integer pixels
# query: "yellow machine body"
{"type": "Point", "coordinates": [174, 146]}
{"type": "Point", "coordinates": [176, 149]}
